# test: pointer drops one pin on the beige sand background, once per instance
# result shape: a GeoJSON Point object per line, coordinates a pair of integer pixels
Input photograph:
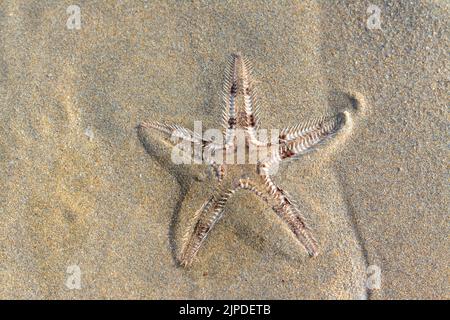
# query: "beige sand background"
{"type": "Point", "coordinates": [79, 188]}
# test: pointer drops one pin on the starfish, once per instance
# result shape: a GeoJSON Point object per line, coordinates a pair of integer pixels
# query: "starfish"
{"type": "Point", "coordinates": [241, 115]}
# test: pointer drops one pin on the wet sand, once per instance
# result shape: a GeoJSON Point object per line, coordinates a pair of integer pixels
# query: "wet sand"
{"type": "Point", "coordinates": [79, 187]}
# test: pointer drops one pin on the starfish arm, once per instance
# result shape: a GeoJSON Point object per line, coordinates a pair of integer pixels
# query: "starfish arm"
{"type": "Point", "coordinates": [299, 130]}
{"type": "Point", "coordinates": [320, 126]}
{"type": "Point", "coordinates": [230, 90]}
{"type": "Point", "coordinates": [173, 131]}
{"type": "Point", "coordinates": [287, 210]}
{"type": "Point", "coordinates": [289, 213]}
{"type": "Point", "coordinates": [203, 221]}
{"type": "Point", "coordinates": [157, 148]}
{"type": "Point", "coordinates": [300, 141]}
{"type": "Point", "coordinates": [251, 102]}
{"type": "Point", "coordinates": [238, 80]}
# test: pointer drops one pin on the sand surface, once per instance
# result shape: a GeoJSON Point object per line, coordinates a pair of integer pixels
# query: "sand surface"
{"type": "Point", "coordinates": [78, 186]}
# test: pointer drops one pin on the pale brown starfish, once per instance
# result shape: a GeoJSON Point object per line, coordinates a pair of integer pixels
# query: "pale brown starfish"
{"type": "Point", "coordinates": [241, 113]}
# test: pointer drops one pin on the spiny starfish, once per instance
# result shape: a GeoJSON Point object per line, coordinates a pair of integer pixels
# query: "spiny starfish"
{"type": "Point", "coordinates": [240, 112]}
